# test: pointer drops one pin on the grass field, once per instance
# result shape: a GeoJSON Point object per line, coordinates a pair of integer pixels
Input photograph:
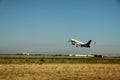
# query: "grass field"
{"type": "Point", "coordinates": [58, 68]}
{"type": "Point", "coordinates": [55, 59]}
{"type": "Point", "coordinates": [60, 72]}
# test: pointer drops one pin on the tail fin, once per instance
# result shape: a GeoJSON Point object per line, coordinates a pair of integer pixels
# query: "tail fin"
{"type": "Point", "coordinates": [88, 43]}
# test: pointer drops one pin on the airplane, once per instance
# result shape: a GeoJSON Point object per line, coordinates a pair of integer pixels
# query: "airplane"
{"type": "Point", "coordinates": [78, 43]}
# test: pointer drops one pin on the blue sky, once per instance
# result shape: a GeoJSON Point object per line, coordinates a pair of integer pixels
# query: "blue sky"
{"type": "Point", "coordinates": [45, 26]}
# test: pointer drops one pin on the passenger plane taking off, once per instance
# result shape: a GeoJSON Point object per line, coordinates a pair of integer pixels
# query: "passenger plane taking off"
{"type": "Point", "coordinates": [78, 43]}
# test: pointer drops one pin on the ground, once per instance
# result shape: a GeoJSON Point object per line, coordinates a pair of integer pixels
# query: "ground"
{"type": "Point", "coordinates": [59, 71]}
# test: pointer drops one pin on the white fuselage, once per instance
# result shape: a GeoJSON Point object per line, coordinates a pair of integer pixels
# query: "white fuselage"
{"type": "Point", "coordinates": [76, 42]}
